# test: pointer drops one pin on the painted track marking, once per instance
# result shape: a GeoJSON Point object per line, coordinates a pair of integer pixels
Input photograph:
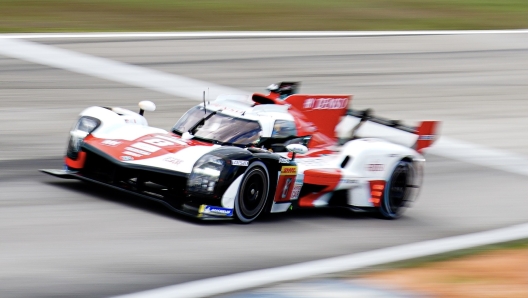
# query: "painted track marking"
{"type": "Point", "coordinates": [255, 34]}
{"type": "Point", "coordinates": [241, 281]}
{"type": "Point", "coordinates": [111, 70]}
{"type": "Point", "coordinates": [480, 155]}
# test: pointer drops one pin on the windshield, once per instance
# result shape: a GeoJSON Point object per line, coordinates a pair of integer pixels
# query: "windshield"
{"type": "Point", "coordinates": [190, 119]}
{"type": "Point", "coordinates": [227, 129]}
{"type": "Point", "coordinates": [218, 127]}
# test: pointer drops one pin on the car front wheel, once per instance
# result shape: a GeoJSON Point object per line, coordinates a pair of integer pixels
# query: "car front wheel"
{"type": "Point", "coordinates": [252, 194]}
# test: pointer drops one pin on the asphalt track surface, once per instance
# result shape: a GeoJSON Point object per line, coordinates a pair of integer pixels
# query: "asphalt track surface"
{"type": "Point", "coordinates": [67, 238]}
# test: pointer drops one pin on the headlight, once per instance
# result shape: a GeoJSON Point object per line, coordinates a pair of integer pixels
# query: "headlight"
{"type": "Point", "coordinates": [84, 126]}
{"type": "Point", "coordinates": [87, 124]}
{"type": "Point", "coordinates": [205, 174]}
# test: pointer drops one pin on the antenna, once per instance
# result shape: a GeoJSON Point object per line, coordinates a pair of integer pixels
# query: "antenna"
{"type": "Point", "coordinates": [205, 111]}
{"type": "Point", "coordinates": [208, 94]}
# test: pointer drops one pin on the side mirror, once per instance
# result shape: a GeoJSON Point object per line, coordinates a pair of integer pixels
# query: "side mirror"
{"type": "Point", "coordinates": [366, 114]}
{"type": "Point", "coordinates": [296, 148]}
{"type": "Point", "coordinates": [146, 105]}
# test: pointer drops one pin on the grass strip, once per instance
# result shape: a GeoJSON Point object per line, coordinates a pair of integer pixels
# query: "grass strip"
{"type": "Point", "coordinates": [18, 16]}
{"type": "Point", "coordinates": [426, 261]}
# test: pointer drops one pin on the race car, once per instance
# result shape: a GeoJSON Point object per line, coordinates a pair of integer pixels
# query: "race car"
{"type": "Point", "coordinates": [241, 156]}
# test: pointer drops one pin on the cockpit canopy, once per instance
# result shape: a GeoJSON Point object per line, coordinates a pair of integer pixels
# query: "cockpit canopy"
{"type": "Point", "coordinates": [218, 128]}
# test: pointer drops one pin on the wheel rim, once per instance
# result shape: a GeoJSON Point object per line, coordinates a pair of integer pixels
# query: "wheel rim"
{"type": "Point", "coordinates": [254, 193]}
{"type": "Point", "coordinates": [398, 188]}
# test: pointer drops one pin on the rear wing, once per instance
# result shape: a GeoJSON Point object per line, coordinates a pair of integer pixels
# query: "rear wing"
{"type": "Point", "coordinates": [362, 124]}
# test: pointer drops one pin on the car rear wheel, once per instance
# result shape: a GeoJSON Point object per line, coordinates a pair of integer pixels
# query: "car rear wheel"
{"type": "Point", "coordinates": [252, 194]}
{"type": "Point", "coordinates": [397, 190]}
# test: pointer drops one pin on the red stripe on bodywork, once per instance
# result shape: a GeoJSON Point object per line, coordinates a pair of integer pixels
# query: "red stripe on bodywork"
{"type": "Point", "coordinates": [327, 177]}
{"type": "Point", "coordinates": [78, 163]}
{"type": "Point", "coordinates": [160, 141]}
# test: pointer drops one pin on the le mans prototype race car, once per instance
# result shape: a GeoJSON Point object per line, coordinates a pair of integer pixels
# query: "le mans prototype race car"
{"type": "Point", "coordinates": [240, 156]}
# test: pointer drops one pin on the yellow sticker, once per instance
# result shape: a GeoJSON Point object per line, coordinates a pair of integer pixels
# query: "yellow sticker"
{"type": "Point", "coordinates": [289, 171]}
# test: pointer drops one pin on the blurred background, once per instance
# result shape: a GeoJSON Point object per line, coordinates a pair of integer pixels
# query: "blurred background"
{"type": "Point", "coordinates": [69, 239]}
{"type": "Point", "coordinates": [234, 15]}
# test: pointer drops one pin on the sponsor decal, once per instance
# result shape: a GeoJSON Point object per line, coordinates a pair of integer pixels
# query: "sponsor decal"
{"type": "Point", "coordinates": [214, 210]}
{"type": "Point", "coordinates": [242, 163]}
{"type": "Point", "coordinates": [173, 139]}
{"type": "Point", "coordinates": [325, 103]}
{"type": "Point", "coordinates": [348, 181]}
{"type": "Point", "coordinates": [426, 138]}
{"type": "Point", "coordinates": [140, 152]}
{"type": "Point", "coordinates": [132, 154]}
{"type": "Point", "coordinates": [130, 120]}
{"type": "Point", "coordinates": [286, 188]}
{"type": "Point", "coordinates": [148, 146]}
{"type": "Point", "coordinates": [111, 143]}
{"type": "Point", "coordinates": [145, 147]}
{"type": "Point", "coordinates": [375, 167]}
{"type": "Point", "coordinates": [284, 160]}
{"type": "Point", "coordinates": [289, 170]}
{"type": "Point", "coordinates": [296, 191]}
{"type": "Point", "coordinates": [173, 160]}
{"type": "Point", "coordinates": [126, 158]}
{"type": "Point", "coordinates": [158, 142]}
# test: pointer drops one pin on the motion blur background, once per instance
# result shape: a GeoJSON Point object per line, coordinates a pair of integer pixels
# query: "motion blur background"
{"type": "Point", "coordinates": [69, 239]}
{"type": "Point", "coordinates": [200, 15]}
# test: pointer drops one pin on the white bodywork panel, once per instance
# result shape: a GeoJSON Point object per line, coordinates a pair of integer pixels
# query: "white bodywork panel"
{"type": "Point", "coordinates": [280, 207]}
{"type": "Point", "coordinates": [127, 126]}
{"type": "Point", "coordinates": [228, 199]}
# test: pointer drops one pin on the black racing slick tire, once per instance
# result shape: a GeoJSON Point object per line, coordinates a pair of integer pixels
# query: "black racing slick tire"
{"type": "Point", "coordinates": [252, 193]}
{"type": "Point", "coordinates": [397, 190]}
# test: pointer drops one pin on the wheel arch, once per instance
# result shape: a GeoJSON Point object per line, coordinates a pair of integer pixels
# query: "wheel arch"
{"type": "Point", "coordinates": [386, 210]}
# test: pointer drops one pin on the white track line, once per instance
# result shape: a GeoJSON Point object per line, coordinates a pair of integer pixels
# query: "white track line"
{"type": "Point", "coordinates": [185, 87]}
{"type": "Point", "coordinates": [255, 34]}
{"type": "Point", "coordinates": [111, 70]}
{"type": "Point", "coordinates": [480, 155]}
{"type": "Point", "coordinates": [241, 281]}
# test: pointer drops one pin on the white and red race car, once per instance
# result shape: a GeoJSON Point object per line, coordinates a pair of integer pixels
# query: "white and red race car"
{"type": "Point", "coordinates": [240, 156]}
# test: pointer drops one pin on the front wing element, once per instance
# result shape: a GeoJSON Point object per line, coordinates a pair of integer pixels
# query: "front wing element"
{"type": "Point", "coordinates": [204, 212]}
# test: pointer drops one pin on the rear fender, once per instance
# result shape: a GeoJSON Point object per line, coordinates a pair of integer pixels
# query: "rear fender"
{"type": "Point", "coordinates": [375, 159]}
